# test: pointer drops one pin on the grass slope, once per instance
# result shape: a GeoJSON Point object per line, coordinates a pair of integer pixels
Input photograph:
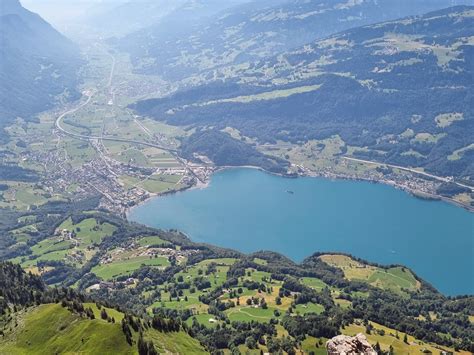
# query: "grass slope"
{"type": "Point", "coordinates": [52, 329]}
{"type": "Point", "coordinates": [125, 267]}
{"type": "Point", "coordinates": [396, 279]}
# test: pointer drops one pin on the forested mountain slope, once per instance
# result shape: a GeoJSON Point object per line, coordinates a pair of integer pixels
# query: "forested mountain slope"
{"type": "Point", "coordinates": [243, 34]}
{"type": "Point", "coordinates": [37, 63]}
{"type": "Point", "coordinates": [400, 92]}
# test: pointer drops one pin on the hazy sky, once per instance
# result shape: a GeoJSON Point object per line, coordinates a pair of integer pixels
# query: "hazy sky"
{"type": "Point", "coordinates": [61, 12]}
{"type": "Point", "coordinates": [57, 10]}
{"type": "Point", "coordinates": [74, 17]}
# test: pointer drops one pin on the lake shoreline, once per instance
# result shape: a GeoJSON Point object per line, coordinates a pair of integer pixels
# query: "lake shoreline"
{"type": "Point", "coordinates": [310, 218]}
{"type": "Point", "coordinates": [199, 185]}
{"type": "Point", "coordinates": [205, 184]}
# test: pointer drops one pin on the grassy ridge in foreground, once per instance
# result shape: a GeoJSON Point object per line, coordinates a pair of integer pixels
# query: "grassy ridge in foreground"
{"type": "Point", "coordinates": [52, 329]}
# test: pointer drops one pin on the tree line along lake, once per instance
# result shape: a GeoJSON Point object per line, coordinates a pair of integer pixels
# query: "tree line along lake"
{"type": "Point", "coordinates": [249, 210]}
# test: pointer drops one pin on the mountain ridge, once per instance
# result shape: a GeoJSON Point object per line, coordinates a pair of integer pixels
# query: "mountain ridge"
{"type": "Point", "coordinates": [253, 31]}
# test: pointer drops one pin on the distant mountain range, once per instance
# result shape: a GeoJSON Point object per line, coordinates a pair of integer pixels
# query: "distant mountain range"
{"type": "Point", "coordinates": [125, 17]}
{"type": "Point", "coordinates": [128, 16]}
{"type": "Point", "coordinates": [400, 92]}
{"type": "Point", "coordinates": [183, 44]}
{"type": "Point", "coordinates": [37, 63]}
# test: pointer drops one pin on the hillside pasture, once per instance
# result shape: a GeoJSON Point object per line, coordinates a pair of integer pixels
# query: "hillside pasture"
{"type": "Point", "coordinates": [396, 279]}
{"type": "Point", "coordinates": [127, 266]}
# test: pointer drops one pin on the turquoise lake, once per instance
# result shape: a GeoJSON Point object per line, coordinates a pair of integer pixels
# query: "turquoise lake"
{"type": "Point", "coordinates": [249, 210]}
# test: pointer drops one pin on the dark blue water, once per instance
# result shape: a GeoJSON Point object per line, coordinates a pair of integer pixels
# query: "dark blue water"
{"type": "Point", "coordinates": [249, 210]}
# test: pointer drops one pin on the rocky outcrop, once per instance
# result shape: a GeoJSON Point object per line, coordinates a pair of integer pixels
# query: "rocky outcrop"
{"type": "Point", "coordinates": [346, 345]}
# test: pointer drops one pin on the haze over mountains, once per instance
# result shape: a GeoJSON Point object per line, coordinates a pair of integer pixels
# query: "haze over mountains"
{"type": "Point", "coordinates": [253, 31]}
{"type": "Point", "coordinates": [406, 83]}
{"type": "Point", "coordinates": [171, 15]}
{"type": "Point", "coordinates": [401, 91]}
{"type": "Point", "coordinates": [37, 63]}
{"type": "Point", "coordinates": [232, 48]}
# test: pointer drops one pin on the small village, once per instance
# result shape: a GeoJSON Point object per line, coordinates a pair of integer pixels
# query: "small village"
{"type": "Point", "coordinates": [101, 176]}
{"type": "Point", "coordinates": [403, 180]}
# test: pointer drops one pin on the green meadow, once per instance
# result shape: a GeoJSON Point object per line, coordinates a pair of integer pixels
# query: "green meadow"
{"type": "Point", "coordinates": [126, 267]}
